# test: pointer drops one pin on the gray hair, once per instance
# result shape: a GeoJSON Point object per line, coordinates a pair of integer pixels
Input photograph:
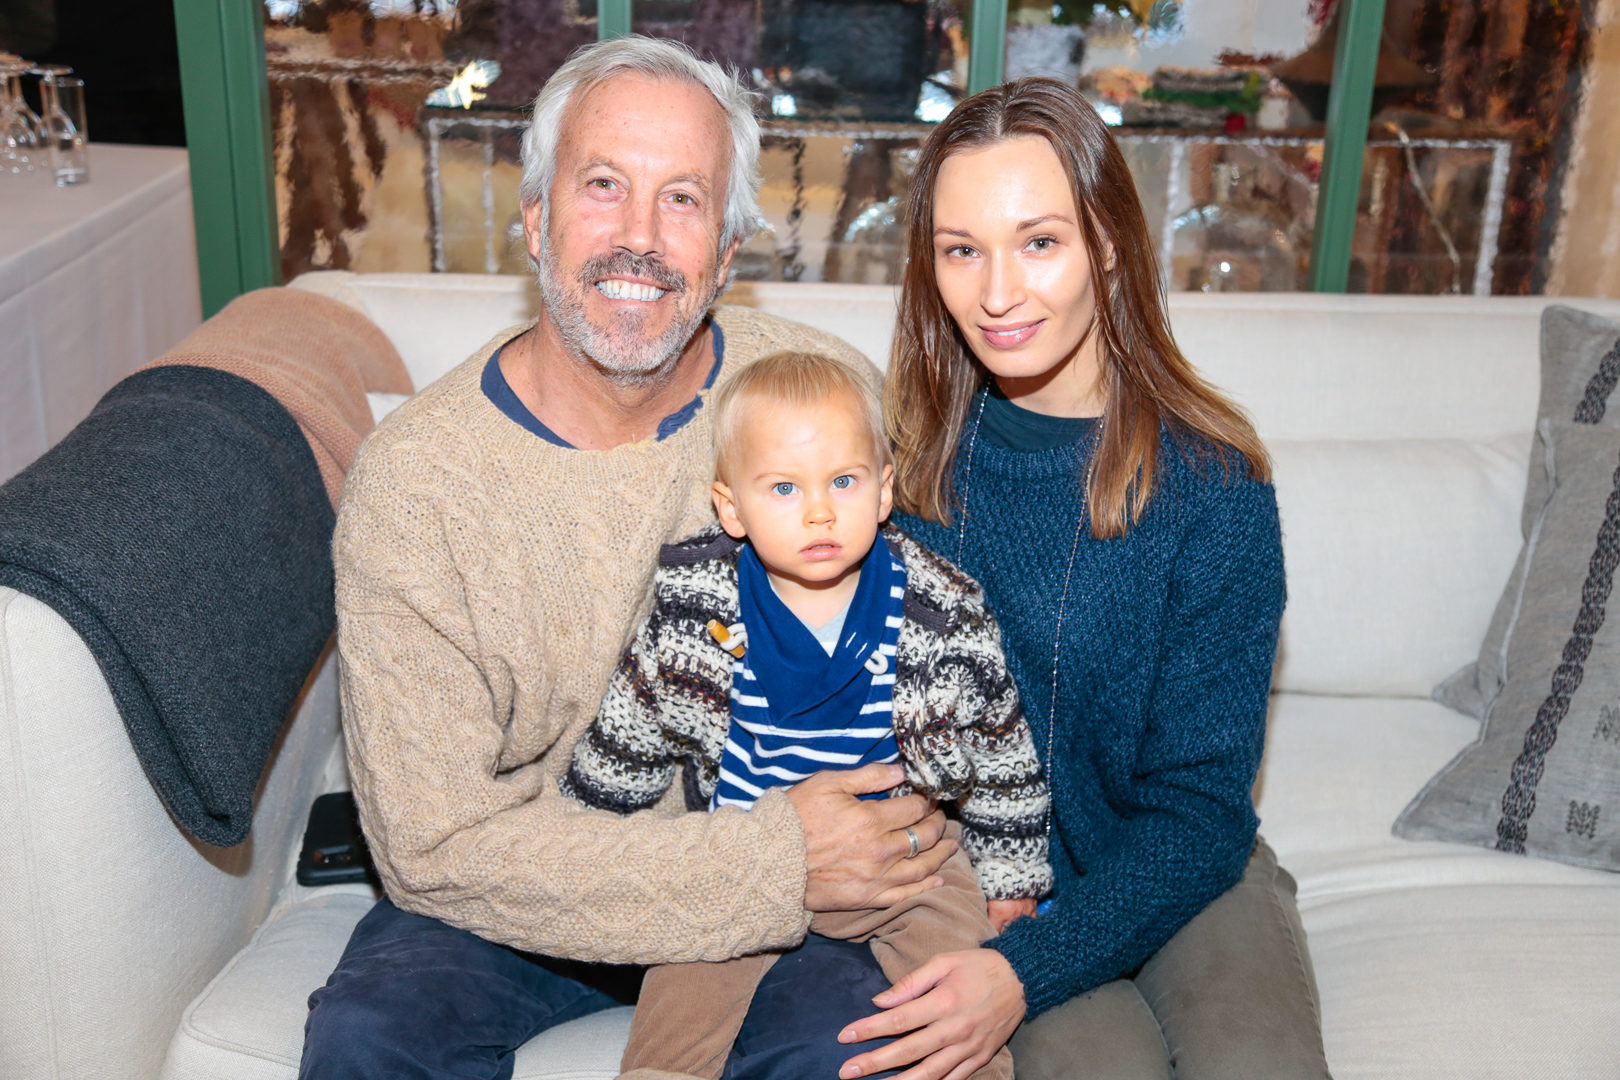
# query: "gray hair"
{"type": "Point", "coordinates": [657, 58]}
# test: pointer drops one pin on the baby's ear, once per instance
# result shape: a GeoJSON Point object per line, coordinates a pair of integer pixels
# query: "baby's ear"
{"type": "Point", "coordinates": [886, 504]}
{"type": "Point", "coordinates": [725, 508]}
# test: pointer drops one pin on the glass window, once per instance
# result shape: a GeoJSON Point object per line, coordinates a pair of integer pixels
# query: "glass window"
{"type": "Point", "coordinates": [849, 90]}
{"type": "Point", "coordinates": [1490, 164]}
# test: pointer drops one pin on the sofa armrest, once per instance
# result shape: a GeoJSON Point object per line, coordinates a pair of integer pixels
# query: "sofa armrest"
{"type": "Point", "coordinates": [112, 918]}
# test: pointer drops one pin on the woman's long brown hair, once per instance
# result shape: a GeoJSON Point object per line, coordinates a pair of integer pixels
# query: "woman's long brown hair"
{"type": "Point", "coordinates": [1145, 381]}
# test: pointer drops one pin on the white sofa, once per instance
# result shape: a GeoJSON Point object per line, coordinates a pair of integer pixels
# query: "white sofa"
{"type": "Point", "coordinates": [1400, 428]}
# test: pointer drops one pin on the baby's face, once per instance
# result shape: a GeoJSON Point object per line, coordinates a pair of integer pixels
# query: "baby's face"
{"type": "Point", "coordinates": [807, 488]}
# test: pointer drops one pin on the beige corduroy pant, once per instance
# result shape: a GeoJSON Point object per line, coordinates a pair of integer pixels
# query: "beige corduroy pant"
{"type": "Point", "coordinates": [689, 1015]}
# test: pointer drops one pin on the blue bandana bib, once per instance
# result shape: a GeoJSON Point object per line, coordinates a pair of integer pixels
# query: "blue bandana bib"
{"type": "Point", "coordinates": [794, 709]}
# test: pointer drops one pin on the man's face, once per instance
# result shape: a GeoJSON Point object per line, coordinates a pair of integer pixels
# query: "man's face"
{"type": "Point", "coordinates": [629, 258]}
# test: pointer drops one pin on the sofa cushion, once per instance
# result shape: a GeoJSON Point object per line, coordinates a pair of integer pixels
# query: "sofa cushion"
{"type": "Point", "coordinates": [1434, 960]}
{"type": "Point", "coordinates": [1468, 982]}
{"type": "Point", "coordinates": [1547, 761]}
{"type": "Point", "coordinates": [1394, 550]}
{"type": "Point", "coordinates": [1305, 365]}
{"type": "Point", "coordinates": [248, 1024]}
{"type": "Point", "coordinates": [435, 320]}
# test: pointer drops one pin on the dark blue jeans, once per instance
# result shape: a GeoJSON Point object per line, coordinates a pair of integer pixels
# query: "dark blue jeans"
{"type": "Point", "coordinates": [416, 998]}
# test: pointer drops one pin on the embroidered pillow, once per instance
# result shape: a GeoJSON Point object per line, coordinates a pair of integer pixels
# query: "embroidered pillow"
{"type": "Point", "coordinates": [1580, 363]}
{"type": "Point", "coordinates": [1543, 778]}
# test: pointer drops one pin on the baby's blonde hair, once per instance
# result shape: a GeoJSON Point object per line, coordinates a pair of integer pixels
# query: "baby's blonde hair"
{"type": "Point", "coordinates": [796, 379]}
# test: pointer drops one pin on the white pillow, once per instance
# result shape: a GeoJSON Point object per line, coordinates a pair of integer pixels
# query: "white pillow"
{"type": "Point", "coordinates": [1396, 551]}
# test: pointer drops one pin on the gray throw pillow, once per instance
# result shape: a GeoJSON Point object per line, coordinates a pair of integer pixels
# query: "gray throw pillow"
{"type": "Point", "coordinates": [1543, 778]}
{"type": "Point", "coordinates": [1580, 364]}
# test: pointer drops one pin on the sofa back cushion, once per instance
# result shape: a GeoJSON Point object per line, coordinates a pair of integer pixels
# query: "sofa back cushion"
{"type": "Point", "coordinates": [435, 320]}
{"type": "Point", "coordinates": [1305, 365]}
{"type": "Point", "coordinates": [1391, 548]}
{"type": "Point", "coordinates": [1400, 427]}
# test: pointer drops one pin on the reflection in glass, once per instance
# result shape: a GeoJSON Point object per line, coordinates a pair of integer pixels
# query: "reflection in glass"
{"type": "Point", "coordinates": [1237, 242]}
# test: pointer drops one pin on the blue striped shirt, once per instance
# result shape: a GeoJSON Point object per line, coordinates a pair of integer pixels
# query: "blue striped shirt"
{"type": "Point", "coordinates": [762, 752]}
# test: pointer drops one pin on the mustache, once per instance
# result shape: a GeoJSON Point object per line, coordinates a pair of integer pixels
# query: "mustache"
{"type": "Point", "coordinates": [624, 264]}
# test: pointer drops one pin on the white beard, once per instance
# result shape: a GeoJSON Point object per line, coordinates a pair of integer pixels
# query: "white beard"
{"type": "Point", "coordinates": [622, 350]}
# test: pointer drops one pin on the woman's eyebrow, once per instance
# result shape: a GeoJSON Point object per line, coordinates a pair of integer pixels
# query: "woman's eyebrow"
{"type": "Point", "coordinates": [1042, 220]}
{"type": "Point", "coordinates": [940, 230]}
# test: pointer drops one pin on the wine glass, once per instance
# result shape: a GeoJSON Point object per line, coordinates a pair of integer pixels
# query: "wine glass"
{"type": "Point", "coordinates": [19, 127]}
{"type": "Point", "coordinates": [62, 99]}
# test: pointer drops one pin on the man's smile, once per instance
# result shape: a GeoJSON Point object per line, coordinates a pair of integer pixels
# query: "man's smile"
{"type": "Point", "coordinates": [621, 289]}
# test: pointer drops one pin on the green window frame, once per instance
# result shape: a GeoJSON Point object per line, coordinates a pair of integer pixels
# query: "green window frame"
{"type": "Point", "coordinates": [1355, 63]}
{"type": "Point", "coordinates": [233, 178]}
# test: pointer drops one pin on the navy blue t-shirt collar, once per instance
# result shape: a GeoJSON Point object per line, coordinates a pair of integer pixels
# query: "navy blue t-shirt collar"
{"type": "Point", "coordinates": [504, 398]}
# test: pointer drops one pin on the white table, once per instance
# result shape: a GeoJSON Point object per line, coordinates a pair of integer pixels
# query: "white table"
{"type": "Point", "coordinates": [95, 281]}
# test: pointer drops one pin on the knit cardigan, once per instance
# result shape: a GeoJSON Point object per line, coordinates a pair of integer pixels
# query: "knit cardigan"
{"type": "Point", "coordinates": [957, 720]}
{"type": "Point", "coordinates": [1169, 634]}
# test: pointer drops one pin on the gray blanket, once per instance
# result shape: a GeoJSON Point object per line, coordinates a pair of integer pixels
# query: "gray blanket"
{"type": "Point", "coordinates": [183, 531]}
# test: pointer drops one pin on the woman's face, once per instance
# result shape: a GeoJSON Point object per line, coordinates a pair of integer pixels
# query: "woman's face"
{"type": "Point", "coordinates": [1013, 271]}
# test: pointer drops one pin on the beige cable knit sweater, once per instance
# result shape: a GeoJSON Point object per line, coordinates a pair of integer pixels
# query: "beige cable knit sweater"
{"type": "Point", "coordinates": [487, 584]}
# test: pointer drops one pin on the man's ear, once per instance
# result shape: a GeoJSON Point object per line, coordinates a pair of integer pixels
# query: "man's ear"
{"type": "Point", "coordinates": [533, 222]}
{"type": "Point", "coordinates": [725, 508]}
{"type": "Point", "coordinates": [724, 270]}
{"type": "Point", "coordinates": [886, 504]}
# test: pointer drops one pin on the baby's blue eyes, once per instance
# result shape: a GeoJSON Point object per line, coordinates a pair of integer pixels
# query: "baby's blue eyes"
{"type": "Point", "coordinates": [787, 487]}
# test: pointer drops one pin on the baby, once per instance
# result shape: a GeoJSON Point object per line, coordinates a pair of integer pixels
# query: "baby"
{"type": "Point", "coordinates": [800, 636]}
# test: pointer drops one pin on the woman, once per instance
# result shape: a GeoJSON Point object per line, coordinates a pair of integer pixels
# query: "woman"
{"type": "Point", "coordinates": [1117, 509]}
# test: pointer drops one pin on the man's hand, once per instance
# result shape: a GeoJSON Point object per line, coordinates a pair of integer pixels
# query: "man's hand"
{"type": "Point", "coordinates": [858, 851]}
{"type": "Point", "coordinates": [1003, 912]}
{"type": "Point", "coordinates": [960, 1008]}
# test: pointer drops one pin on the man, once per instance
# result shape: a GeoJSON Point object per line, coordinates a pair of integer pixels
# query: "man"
{"type": "Point", "coordinates": [494, 553]}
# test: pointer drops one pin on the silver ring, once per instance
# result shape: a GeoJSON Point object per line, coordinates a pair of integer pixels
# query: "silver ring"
{"type": "Point", "coordinates": [916, 845]}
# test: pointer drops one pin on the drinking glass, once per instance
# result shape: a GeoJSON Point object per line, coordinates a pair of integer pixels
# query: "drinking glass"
{"type": "Point", "coordinates": [63, 101]}
{"type": "Point", "coordinates": [19, 133]}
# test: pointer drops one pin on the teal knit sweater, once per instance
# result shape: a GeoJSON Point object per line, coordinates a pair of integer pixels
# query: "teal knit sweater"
{"type": "Point", "coordinates": [1169, 634]}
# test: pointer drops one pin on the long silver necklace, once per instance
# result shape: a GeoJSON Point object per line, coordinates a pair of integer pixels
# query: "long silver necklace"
{"type": "Point", "coordinates": [1068, 573]}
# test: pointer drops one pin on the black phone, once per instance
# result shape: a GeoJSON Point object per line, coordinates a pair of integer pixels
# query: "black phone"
{"type": "Point", "coordinates": [334, 851]}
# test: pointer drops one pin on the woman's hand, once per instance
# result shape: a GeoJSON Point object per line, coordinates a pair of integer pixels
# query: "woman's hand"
{"type": "Point", "coordinates": [1003, 912]}
{"type": "Point", "coordinates": [960, 1008]}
